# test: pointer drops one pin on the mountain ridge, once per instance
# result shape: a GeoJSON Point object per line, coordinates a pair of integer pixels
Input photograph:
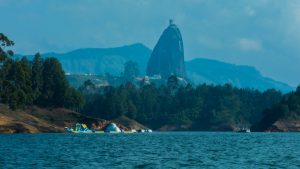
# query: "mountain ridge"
{"type": "Point", "coordinates": [242, 76]}
{"type": "Point", "coordinates": [199, 70]}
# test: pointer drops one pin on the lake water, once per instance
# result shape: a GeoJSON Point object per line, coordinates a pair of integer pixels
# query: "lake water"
{"type": "Point", "coordinates": [151, 150]}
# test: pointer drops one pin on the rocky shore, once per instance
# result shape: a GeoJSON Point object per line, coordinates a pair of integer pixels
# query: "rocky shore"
{"type": "Point", "coordinates": [285, 125]}
{"type": "Point", "coordinates": [40, 120]}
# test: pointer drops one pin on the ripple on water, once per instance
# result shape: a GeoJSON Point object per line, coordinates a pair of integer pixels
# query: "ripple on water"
{"type": "Point", "coordinates": [152, 150]}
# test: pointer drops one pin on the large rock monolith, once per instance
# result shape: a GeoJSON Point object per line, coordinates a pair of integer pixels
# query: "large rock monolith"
{"type": "Point", "coordinates": [167, 57]}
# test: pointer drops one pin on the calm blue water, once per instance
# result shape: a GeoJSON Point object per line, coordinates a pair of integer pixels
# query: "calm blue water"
{"type": "Point", "coordinates": [152, 150]}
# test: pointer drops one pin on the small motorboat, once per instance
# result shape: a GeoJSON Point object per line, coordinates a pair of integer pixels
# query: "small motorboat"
{"type": "Point", "coordinates": [244, 131]}
{"type": "Point", "coordinates": [141, 131]}
{"type": "Point", "coordinates": [148, 131]}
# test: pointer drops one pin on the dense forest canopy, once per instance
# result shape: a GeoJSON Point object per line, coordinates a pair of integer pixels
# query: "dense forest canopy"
{"type": "Point", "coordinates": [204, 107]}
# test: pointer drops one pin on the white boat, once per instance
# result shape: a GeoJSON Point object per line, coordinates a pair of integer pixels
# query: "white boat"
{"type": "Point", "coordinates": [244, 131]}
{"type": "Point", "coordinates": [148, 131]}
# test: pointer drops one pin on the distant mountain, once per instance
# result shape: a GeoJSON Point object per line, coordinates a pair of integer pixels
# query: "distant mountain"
{"type": "Point", "coordinates": [102, 60]}
{"type": "Point", "coordinates": [216, 72]}
{"type": "Point", "coordinates": [111, 60]}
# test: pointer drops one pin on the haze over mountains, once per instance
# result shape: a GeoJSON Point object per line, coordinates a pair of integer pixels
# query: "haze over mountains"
{"type": "Point", "coordinates": [111, 60]}
{"type": "Point", "coordinates": [102, 60]}
{"type": "Point", "coordinates": [261, 33]}
{"type": "Point", "coordinates": [215, 72]}
{"type": "Point", "coordinates": [166, 59]}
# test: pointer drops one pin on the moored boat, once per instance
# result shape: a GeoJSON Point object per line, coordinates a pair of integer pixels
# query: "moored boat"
{"type": "Point", "coordinates": [244, 131]}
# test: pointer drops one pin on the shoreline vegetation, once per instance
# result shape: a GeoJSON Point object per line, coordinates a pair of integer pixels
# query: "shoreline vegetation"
{"type": "Point", "coordinates": [36, 97]}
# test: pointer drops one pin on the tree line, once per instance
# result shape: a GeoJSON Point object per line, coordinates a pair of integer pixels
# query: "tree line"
{"type": "Point", "coordinates": [288, 109]}
{"type": "Point", "coordinates": [203, 107]}
{"type": "Point", "coordinates": [39, 82]}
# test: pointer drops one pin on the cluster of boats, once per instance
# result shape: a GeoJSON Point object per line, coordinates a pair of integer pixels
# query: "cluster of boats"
{"type": "Point", "coordinates": [113, 128]}
{"type": "Point", "coordinates": [110, 128]}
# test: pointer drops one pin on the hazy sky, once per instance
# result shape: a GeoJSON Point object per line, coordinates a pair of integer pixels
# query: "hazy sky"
{"type": "Point", "coordinates": [260, 33]}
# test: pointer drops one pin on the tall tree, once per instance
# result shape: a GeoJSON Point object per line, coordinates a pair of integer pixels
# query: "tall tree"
{"type": "Point", "coordinates": [55, 84]}
{"type": "Point", "coordinates": [26, 83]}
{"type": "Point", "coordinates": [37, 76]}
{"type": "Point", "coordinates": [17, 87]}
{"type": "Point", "coordinates": [5, 42]}
{"type": "Point", "coordinates": [4, 56]}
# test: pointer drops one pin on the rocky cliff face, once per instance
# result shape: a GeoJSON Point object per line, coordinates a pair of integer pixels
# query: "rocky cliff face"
{"type": "Point", "coordinates": [167, 57]}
